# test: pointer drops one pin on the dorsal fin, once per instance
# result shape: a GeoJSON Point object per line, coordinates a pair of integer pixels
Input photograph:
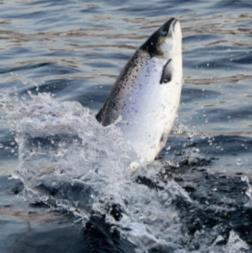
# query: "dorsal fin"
{"type": "Point", "coordinates": [166, 73]}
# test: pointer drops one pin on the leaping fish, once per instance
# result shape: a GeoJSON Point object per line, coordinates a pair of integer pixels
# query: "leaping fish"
{"type": "Point", "coordinates": [145, 98]}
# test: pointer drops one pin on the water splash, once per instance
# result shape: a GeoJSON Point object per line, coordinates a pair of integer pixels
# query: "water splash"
{"type": "Point", "coordinates": [61, 147]}
{"type": "Point", "coordinates": [234, 244]}
{"type": "Point", "coordinates": [73, 163]}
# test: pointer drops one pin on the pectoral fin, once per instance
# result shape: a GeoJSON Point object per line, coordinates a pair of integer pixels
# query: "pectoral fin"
{"type": "Point", "coordinates": [166, 73]}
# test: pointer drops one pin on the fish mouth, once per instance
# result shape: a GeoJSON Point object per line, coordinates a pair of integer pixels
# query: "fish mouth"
{"type": "Point", "coordinates": [173, 24]}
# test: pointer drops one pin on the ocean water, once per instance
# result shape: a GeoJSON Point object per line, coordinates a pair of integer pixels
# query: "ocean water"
{"type": "Point", "coordinates": [65, 183]}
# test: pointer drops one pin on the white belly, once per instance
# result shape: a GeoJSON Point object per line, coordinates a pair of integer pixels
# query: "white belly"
{"type": "Point", "coordinates": [150, 110]}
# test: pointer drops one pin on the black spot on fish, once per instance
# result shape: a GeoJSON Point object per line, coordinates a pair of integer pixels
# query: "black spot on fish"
{"type": "Point", "coordinates": [151, 45]}
{"type": "Point", "coordinates": [166, 73]}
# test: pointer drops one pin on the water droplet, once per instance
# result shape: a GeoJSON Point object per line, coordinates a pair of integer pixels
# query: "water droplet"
{"type": "Point", "coordinates": [238, 162]}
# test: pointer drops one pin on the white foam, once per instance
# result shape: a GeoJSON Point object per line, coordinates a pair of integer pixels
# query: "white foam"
{"type": "Point", "coordinates": [98, 157]}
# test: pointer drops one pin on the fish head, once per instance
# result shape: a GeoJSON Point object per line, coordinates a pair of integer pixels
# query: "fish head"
{"type": "Point", "coordinates": [166, 42]}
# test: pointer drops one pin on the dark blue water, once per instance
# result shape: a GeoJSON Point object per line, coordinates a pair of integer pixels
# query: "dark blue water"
{"type": "Point", "coordinates": [74, 50]}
